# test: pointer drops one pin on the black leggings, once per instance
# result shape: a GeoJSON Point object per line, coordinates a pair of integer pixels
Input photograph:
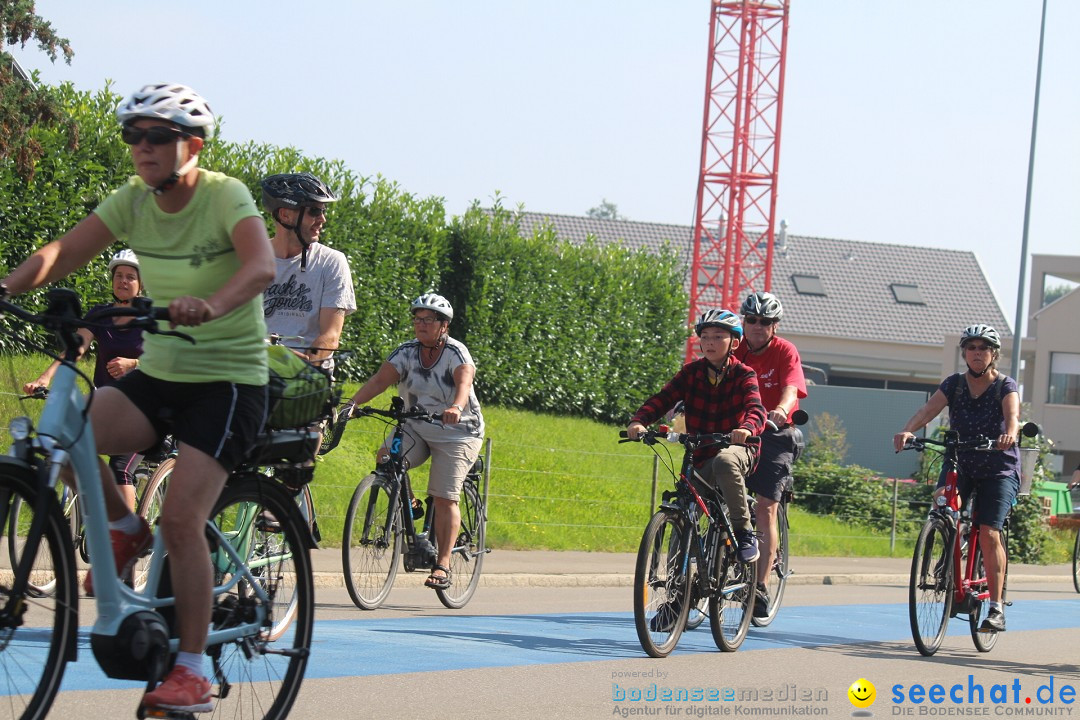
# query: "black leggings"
{"type": "Point", "coordinates": [123, 467]}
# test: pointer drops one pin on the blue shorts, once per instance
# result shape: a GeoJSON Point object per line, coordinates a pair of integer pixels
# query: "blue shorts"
{"type": "Point", "coordinates": [994, 498]}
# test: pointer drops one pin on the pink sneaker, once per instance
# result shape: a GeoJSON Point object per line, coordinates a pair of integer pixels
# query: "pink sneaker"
{"type": "Point", "coordinates": [181, 690]}
{"type": "Point", "coordinates": [126, 550]}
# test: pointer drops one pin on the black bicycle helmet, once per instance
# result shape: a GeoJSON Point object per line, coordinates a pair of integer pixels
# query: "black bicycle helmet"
{"type": "Point", "coordinates": [293, 190]}
{"type": "Point", "coordinates": [763, 304]}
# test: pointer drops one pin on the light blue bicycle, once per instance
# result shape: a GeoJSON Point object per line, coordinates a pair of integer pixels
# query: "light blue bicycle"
{"type": "Point", "coordinates": [261, 630]}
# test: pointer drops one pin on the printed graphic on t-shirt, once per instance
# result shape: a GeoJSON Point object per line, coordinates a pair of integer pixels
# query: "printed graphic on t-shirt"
{"type": "Point", "coordinates": [768, 379]}
{"type": "Point", "coordinates": [290, 296]}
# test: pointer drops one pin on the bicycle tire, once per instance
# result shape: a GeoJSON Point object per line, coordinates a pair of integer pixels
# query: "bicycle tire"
{"type": "Point", "coordinates": [149, 508]}
{"type": "Point", "coordinates": [34, 668]}
{"type": "Point", "coordinates": [467, 555]}
{"type": "Point", "coordinates": [661, 584]}
{"type": "Point", "coordinates": [265, 672]}
{"type": "Point", "coordinates": [930, 596]}
{"type": "Point", "coordinates": [984, 642]}
{"type": "Point", "coordinates": [777, 578]}
{"type": "Point", "coordinates": [1076, 561]}
{"type": "Point", "coordinates": [369, 555]}
{"type": "Point", "coordinates": [43, 580]}
{"type": "Point", "coordinates": [732, 605]}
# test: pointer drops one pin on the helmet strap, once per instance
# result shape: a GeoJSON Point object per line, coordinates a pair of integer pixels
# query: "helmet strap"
{"type": "Point", "coordinates": [755, 350]}
{"type": "Point", "coordinates": [974, 374]}
{"type": "Point", "coordinates": [295, 230]}
{"type": "Point", "coordinates": [118, 301]}
{"type": "Point", "coordinates": [179, 172]}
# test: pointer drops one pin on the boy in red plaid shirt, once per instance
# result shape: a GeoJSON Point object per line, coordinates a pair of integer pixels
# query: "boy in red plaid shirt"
{"type": "Point", "coordinates": [719, 394]}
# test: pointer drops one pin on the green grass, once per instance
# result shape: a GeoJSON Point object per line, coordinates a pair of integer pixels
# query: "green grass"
{"type": "Point", "coordinates": [557, 483]}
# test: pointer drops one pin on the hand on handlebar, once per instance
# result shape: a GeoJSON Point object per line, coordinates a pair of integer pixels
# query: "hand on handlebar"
{"type": "Point", "coordinates": [190, 311]}
{"type": "Point", "coordinates": [901, 439]}
{"type": "Point", "coordinates": [634, 430]}
{"type": "Point", "coordinates": [739, 436]}
{"type": "Point", "coordinates": [1005, 441]}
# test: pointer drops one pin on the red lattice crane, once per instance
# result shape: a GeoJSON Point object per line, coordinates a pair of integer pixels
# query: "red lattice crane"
{"type": "Point", "coordinates": [735, 210]}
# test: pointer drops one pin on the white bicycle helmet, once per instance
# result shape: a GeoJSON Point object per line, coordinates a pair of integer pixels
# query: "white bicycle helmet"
{"type": "Point", "coordinates": [763, 304]}
{"type": "Point", "coordinates": [124, 257]}
{"type": "Point", "coordinates": [433, 302]}
{"type": "Point", "coordinates": [178, 104]}
{"type": "Point", "coordinates": [721, 319]}
{"type": "Point", "coordinates": [981, 332]}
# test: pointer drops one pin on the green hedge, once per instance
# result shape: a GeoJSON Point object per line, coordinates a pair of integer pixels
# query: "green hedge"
{"type": "Point", "coordinates": [587, 330]}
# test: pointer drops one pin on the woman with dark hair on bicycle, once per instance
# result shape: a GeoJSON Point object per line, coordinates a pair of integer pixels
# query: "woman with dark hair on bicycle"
{"type": "Point", "coordinates": [204, 250]}
{"type": "Point", "coordinates": [118, 351]}
{"type": "Point", "coordinates": [981, 402]}
{"type": "Point", "coordinates": [435, 372]}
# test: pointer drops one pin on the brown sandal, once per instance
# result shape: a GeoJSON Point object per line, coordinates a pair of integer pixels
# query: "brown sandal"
{"type": "Point", "coordinates": [439, 583]}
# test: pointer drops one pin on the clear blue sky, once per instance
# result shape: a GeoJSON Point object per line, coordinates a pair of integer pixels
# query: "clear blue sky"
{"type": "Point", "coordinates": [905, 122]}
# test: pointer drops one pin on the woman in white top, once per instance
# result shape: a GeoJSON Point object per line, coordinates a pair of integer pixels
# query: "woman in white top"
{"type": "Point", "coordinates": [435, 372]}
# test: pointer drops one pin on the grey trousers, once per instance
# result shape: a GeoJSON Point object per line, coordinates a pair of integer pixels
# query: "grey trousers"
{"type": "Point", "coordinates": [727, 472]}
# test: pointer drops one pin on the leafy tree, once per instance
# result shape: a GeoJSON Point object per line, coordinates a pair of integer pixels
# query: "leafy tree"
{"type": "Point", "coordinates": [605, 211]}
{"type": "Point", "coordinates": [24, 105]}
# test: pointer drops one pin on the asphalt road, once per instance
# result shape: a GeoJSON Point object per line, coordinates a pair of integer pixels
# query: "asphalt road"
{"type": "Point", "coordinates": [551, 636]}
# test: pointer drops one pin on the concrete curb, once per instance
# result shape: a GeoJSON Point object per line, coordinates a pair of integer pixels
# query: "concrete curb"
{"type": "Point", "coordinates": [504, 580]}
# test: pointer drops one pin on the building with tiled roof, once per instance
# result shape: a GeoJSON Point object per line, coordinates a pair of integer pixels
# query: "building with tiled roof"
{"type": "Point", "coordinates": [867, 314]}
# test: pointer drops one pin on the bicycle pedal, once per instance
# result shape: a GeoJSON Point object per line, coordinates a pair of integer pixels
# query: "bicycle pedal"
{"type": "Point", "coordinates": [166, 714]}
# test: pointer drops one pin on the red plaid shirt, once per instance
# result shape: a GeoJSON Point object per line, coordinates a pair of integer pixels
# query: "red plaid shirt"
{"type": "Point", "coordinates": [733, 403]}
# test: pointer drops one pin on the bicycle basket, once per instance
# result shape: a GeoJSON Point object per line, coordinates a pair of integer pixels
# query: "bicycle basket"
{"type": "Point", "coordinates": [298, 390]}
{"type": "Point", "coordinates": [332, 431]}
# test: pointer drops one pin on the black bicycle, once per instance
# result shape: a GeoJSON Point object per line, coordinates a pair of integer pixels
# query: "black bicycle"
{"type": "Point", "coordinates": [688, 553]}
{"type": "Point", "coordinates": [381, 523]}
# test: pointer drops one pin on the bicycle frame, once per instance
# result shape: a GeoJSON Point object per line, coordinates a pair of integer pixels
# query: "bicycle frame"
{"type": "Point", "coordinates": [63, 425]}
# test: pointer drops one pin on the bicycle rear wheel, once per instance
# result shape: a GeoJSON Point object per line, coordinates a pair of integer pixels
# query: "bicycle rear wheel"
{"type": "Point", "coordinates": [369, 550]}
{"type": "Point", "coordinates": [930, 595]}
{"type": "Point", "coordinates": [731, 607]}
{"type": "Point", "coordinates": [467, 555]}
{"type": "Point", "coordinates": [34, 654]}
{"type": "Point", "coordinates": [776, 581]}
{"type": "Point", "coordinates": [264, 671]}
{"type": "Point", "coordinates": [149, 508]}
{"type": "Point", "coordinates": [985, 641]}
{"type": "Point", "coordinates": [661, 584]}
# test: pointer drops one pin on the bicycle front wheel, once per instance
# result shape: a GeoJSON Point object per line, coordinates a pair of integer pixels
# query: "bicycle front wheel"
{"type": "Point", "coordinates": [1076, 561]}
{"type": "Point", "coordinates": [731, 607]}
{"type": "Point", "coordinates": [264, 670]}
{"type": "Point", "coordinates": [930, 595]}
{"type": "Point", "coordinates": [467, 555]}
{"type": "Point", "coordinates": [34, 648]}
{"type": "Point", "coordinates": [149, 508]}
{"type": "Point", "coordinates": [662, 584]}
{"type": "Point", "coordinates": [985, 641]}
{"type": "Point", "coordinates": [776, 581]}
{"type": "Point", "coordinates": [371, 543]}
{"type": "Point", "coordinates": [42, 578]}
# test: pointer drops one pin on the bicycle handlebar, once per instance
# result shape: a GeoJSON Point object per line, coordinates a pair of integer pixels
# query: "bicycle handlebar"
{"type": "Point", "coordinates": [982, 443]}
{"type": "Point", "coordinates": [62, 314]}
{"type": "Point", "coordinates": [396, 414]}
{"type": "Point", "coordinates": [651, 437]}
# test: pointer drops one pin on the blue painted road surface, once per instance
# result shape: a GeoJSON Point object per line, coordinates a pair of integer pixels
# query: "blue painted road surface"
{"type": "Point", "coordinates": [349, 648]}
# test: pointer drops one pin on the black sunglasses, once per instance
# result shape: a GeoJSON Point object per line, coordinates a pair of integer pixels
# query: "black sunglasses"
{"type": "Point", "coordinates": [754, 320]}
{"type": "Point", "coordinates": [156, 135]}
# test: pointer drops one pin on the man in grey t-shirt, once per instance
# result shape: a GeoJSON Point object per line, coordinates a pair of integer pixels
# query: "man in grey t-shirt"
{"type": "Point", "coordinates": [312, 290]}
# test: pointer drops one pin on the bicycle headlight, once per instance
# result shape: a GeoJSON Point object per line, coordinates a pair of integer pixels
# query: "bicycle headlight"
{"type": "Point", "coordinates": [20, 428]}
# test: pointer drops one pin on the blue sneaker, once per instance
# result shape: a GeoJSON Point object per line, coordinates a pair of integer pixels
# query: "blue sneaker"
{"type": "Point", "coordinates": [748, 549]}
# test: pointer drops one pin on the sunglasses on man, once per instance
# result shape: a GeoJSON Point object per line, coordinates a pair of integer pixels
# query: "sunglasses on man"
{"type": "Point", "coordinates": [156, 135]}
{"type": "Point", "coordinates": [754, 320]}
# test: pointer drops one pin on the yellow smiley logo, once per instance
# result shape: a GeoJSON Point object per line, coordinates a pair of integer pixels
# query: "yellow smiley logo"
{"type": "Point", "coordinates": [862, 693]}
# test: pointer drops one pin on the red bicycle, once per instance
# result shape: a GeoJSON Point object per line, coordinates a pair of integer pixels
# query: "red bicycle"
{"type": "Point", "coordinates": [947, 573]}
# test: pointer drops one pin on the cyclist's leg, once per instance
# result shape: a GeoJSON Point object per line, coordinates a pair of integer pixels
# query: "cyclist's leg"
{"type": "Point", "coordinates": [765, 516]}
{"type": "Point", "coordinates": [123, 469]}
{"type": "Point", "coordinates": [726, 472]}
{"type": "Point", "coordinates": [994, 500]}
{"type": "Point", "coordinates": [450, 462]}
{"type": "Point", "coordinates": [119, 428]}
{"type": "Point", "coordinates": [194, 486]}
